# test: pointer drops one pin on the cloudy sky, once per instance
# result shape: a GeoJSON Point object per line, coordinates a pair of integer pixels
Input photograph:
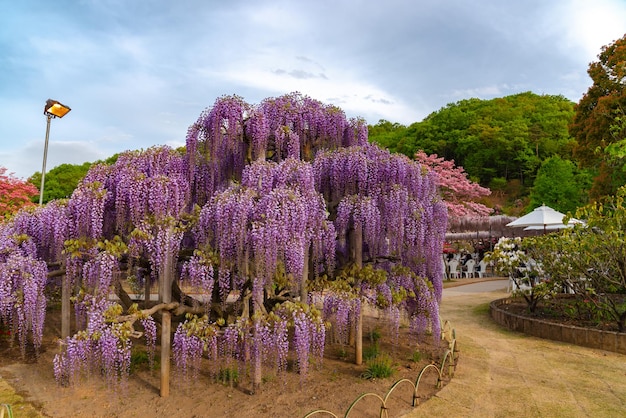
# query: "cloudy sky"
{"type": "Point", "coordinates": [138, 73]}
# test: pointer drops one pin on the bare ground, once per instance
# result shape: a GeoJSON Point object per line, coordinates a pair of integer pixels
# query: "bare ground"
{"type": "Point", "coordinates": [29, 385]}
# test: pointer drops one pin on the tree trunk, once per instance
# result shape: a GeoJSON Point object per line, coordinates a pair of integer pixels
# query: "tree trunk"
{"type": "Point", "coordinates": [125, 300]}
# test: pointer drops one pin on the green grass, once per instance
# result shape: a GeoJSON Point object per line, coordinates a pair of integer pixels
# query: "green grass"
{"type": "Point", "coordinates": [228, 376]}
{"type": "Point", "coordinates": [416, 357]}
{"type": "Point", "coordinates": [140, 360]}
{"type": "Point", "coordinates": [374, 335]}
{"type": "Point", "coordinates": [342, 353]}
{"type": "Point", "coordinates": [19, 407]}
{"type": "Point", "coordinates": [482, 309]}
{"type": "Point", "coordinates": [370, 352]}
{"type": "Point", "coordinates": [379, 367]}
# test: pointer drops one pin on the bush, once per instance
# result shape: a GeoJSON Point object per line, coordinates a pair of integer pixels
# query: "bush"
{"type": "Point", "coordinates": [139, 359]}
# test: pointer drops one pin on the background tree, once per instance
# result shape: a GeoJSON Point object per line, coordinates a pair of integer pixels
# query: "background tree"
{"type": "Point", "coordinates": [60, 181]}
{"type": "Point", "coordinates": [63, 179]}
{"type": "Point", "coordinates": [618, 131]}
{"type": "Point", "coordinates": [560, 185]}
{"type": "Point", "coordinates": [504, 137]}
{"type": "Point", "coordinates": [388, 135]}
{"type": "Point", "coordinates": [14, 193]}
{"type": "Point", "coordinates": [595, 115]}
{"type": "Point", "coordinates": [460, 194]}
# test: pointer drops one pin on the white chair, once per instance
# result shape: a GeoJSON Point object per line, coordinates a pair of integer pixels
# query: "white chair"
{"type": "Point", "coordinates": [470, 267]}
{"type": "Point", "coordinates": [453, 268]}
{"type": "Point", "coordinates": [482, 268]}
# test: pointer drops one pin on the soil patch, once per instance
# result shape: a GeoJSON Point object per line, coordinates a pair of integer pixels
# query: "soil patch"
{"type": "Point", "coordinates": [332, 386]}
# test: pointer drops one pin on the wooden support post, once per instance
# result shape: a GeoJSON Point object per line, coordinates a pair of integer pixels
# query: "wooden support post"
{"type": "Point", "coordinates": [358, 259]}
{"type": "Point", "coordinates": [166, 329]}
{"type": "Point", "coordinates": [65, 307]}
{"type": "Point", "coordinates": [304, 294]}
{"type": "Point", "coordinates": [165, 290]}
{"type": "Point", "coordinates": [146, 290]}
{"type": "Point", "coordinates": [257, 306]}
{"type": "Point", "coordinates": [258, 368]}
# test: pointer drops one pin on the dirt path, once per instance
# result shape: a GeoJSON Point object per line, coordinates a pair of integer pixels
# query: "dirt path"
{"type": "Point", "coordinates": [506, 374]}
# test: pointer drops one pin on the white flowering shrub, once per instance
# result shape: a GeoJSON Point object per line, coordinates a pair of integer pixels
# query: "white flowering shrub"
{"type": "Point", "coordinates": [507, 256]}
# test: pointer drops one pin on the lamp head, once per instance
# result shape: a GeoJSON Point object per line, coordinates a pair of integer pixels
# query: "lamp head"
{"type": "Point", "coordinates": [55, 109]}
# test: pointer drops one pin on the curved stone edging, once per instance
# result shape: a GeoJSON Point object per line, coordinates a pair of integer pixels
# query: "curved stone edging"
{"type": "Point", "coordinates": [586, 337]}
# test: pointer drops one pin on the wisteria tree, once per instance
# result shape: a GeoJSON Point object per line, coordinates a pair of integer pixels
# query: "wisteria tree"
{"type": "Point", "coordinates": [278, 219]}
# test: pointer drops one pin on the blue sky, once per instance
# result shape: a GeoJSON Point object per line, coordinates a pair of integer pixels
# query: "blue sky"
{"type": "Point", "coordinates": [138, 73]}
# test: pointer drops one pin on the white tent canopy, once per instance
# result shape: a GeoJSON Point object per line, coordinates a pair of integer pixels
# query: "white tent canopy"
{"type": "Point", "coordinates": [543, 217]}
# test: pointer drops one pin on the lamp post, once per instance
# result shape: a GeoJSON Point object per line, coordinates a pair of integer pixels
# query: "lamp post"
{"type": "Point", "coordinates": [53, 109]}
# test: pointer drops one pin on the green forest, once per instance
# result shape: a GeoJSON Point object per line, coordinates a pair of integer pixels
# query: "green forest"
{"type": "Point", "coordinates": [515, 145]}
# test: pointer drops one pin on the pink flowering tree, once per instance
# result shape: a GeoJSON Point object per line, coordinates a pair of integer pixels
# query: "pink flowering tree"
{"type": "Point", "coordinates": [14, 193]}
{"type": "Point", "coordinates": [278, 219]}
{"type": "Point", "coordinates": [457, 190]}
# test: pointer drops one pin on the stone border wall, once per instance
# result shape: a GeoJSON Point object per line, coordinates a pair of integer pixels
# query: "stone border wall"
{"type": "Point", "coordinates": [586, 337]}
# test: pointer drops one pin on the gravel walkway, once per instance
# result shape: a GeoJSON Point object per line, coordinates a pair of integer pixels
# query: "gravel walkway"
{"type": "Point", "coordinates": [507, 374]}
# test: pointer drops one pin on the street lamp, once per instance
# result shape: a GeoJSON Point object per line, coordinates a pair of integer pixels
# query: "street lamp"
{"type": "Point", "coordinates": [53, 109]}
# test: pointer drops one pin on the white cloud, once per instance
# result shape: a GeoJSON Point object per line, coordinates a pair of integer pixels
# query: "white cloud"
{"type": "Point", "coordinates": [357, 97]}
{"type": "Point", "coordinates": [590, 25]}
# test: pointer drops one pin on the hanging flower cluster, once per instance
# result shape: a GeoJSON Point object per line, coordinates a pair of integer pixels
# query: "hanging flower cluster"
{"type": "Point", "coordinates": [391, 198]}
{"type": "Point", "coordinates": [272, 219]}
{"type": "Point", "coordinates": [262, 339]}
{"type": "Point", "coordinates": [22, 282]}
{"type": "Point", "coordinates": [104, 346]}
{"type": "Point", "coordinates": [232, 134]}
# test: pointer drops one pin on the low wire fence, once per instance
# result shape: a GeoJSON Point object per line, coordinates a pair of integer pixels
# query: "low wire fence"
{"type": "Point", "coordinates": [444, 369]}
{"type": "Point", "coordinates": [5, 410]}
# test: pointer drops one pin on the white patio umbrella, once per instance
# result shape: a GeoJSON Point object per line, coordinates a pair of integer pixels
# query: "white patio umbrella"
{"type": "Point", "coordinates": [571, 224]}
{"type": "Point", "coordinates": [543, 217]}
